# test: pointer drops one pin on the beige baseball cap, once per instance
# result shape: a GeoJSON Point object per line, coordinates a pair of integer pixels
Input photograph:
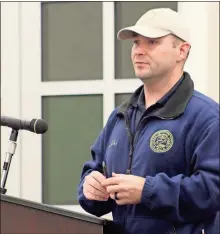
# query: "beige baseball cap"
{"type": "Point", "coordinates": [157, 23]}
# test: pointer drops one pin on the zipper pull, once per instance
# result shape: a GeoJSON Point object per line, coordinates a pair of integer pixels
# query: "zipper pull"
{"type": "Point", "coordinates": [130, 160]}
{"type": "Point", "coordinates": [131, 151]}
{"type": "Point", "coordinates": [128, 172]}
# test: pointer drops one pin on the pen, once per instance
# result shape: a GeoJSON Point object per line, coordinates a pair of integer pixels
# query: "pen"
{"type": "Point", "coordinates": [106, 175]}
{"type": "Point", "coordinates": [104, 169]}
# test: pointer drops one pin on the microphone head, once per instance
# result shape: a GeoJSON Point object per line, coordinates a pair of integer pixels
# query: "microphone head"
{"type": "Point", "coordinates": [38, 126]}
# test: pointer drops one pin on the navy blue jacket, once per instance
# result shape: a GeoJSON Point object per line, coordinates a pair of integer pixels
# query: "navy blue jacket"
{"type": "Point", "coordinates": [176, 148]}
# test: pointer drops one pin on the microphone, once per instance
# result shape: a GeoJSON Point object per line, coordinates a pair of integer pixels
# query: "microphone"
{"type": "Point", "coordinates": [38, 126]}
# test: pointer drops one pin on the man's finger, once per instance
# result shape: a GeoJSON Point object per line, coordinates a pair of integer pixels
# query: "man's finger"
{"type": "Point", "coordinates": [122, 202]}
{"type": "Point", "coordinates": [122, 196]}
{"type": "Point", "coordinates": [96, 192]}
{"type": "Point", "coordinates": [111, 181]}
{"type": "Point", "coordinates": [112, 195]}
{"type": "Point", "coordinates": [118, 196]}
{"type": "Point", "coordinates": [114, 188]}
{"type": "Point", "coordinates": [98, 176]}
{"type": "Point", "coordinates": [116, 175]}
{"type": "Point", "coordinates": [95, 184]}
{"type": "Point", "coordinates": [122, 199]}
{"type": "Point", "coordinates": [92, 196]}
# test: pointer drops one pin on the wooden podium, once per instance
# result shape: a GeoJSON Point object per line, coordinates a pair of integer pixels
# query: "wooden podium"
{"type": "Point", "coordinates": [27, 217]}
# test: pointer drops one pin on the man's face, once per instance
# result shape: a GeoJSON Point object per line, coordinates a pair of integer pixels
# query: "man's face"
{"type": "Point", "coordinates": [154, 57]}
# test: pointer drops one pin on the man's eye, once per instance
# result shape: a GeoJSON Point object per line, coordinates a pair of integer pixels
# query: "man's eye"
{"type": "Point", "coordinates": [151, 42]}
{"type": "Point", "coordinates": [136, 42]}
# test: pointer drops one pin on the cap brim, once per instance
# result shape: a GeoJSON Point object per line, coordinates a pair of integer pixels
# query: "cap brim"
{"type": "Point", "coordinates": [128, 33]}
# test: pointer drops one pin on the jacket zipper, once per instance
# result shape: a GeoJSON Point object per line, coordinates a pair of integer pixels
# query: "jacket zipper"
{"type": "Point", "coordinates": [132, 142]}
{"type": "Point", "coordinates": [130, 156]}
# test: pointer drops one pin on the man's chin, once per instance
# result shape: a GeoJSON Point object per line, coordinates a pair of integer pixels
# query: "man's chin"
{"type": "Point", "coordinates": [143, 76]}
{"type": "Point", "coordinates": [146, 79]}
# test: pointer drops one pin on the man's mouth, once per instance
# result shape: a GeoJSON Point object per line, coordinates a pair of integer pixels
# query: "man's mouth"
{"type": "Point", "coordinates": [141, 62]}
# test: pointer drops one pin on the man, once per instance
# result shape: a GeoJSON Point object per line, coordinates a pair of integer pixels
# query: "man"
{"type": "Point", "coordinates": [161, 148]}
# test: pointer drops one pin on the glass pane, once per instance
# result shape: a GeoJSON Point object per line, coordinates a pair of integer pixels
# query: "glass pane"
{"type": "Point", "coordinates": [127, 14]}
{"type": "Point", "coordinates": [122, 97]}
{"type": "Point", "coordinates": [71, 41]}
{"type": "Point", "coordinates": [74, 123]}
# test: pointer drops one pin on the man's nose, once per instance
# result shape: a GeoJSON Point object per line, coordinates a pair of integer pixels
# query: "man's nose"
{"type": "Point", "coordinates": [139, 50]}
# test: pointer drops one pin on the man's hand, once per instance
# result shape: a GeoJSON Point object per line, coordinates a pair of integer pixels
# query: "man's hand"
{"type": "Point", "coordinates": [92, 188]}
{"type": "Point", "coordinates": [128, 188]}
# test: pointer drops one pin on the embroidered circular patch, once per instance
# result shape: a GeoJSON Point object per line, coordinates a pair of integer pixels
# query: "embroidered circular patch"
{"type": "Point", "coordinates": [161, 141]}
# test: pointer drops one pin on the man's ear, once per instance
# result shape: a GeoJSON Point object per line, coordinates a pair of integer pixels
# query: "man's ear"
{"type": "Point", "coordinates": [184, 51]}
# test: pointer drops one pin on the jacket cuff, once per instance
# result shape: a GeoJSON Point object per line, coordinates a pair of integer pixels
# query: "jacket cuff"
{"type": "Point", "coordinates": [147, 193]}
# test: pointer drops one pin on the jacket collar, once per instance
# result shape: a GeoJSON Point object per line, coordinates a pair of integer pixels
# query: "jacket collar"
{"type": "Point", "coordinates": [175, 105]}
